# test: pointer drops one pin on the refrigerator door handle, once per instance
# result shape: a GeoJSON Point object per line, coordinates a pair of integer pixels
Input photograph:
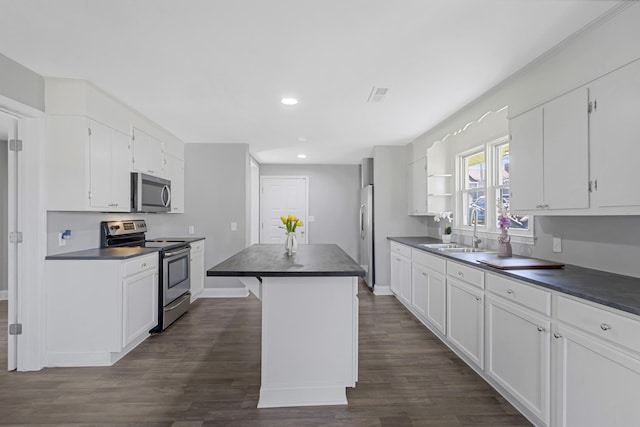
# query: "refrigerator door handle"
{"type": "Point", "coordinates": [362, 233]}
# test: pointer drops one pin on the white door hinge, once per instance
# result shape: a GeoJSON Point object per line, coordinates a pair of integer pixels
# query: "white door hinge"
{"type": "Point", "coordinates": [15, 329]}
{"type": "Point", "coordinates": [15, 237]}
{"type": "Point", "coordinates": [15, 145]}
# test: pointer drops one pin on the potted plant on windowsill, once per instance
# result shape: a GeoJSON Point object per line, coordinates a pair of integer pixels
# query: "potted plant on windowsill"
{"type": "Point", "coordinates": [446, 217]}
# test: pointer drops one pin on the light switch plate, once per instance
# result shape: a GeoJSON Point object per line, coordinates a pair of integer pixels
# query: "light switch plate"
{"type": "Point", "coordinates": [234, 226]}
{"type": "Point", "coordinates": [557, 244]}
{"type": "Point", "coordinates": [192, 229]}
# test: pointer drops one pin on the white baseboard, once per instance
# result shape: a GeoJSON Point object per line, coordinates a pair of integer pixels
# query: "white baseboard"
{"type": "Point", "coordinates": [224, 293]}
{"type": "Point", "coordinates": [4, 295]}
{"type": "Point", "coordinates": [382, 290]}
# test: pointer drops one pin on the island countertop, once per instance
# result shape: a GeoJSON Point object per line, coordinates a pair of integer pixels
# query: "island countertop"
{"type": "Point", "coordinates": [270, 260]}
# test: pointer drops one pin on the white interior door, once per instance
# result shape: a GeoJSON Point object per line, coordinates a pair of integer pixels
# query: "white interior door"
{"type": "Point", "coordinates": [282, 196]}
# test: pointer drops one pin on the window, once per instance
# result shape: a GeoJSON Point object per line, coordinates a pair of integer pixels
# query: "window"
{"type": "Point", "coordinates": [483, 187]}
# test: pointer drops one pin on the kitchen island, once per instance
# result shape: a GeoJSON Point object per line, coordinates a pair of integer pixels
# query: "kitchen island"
{"type": "Point", "coordinates": [309, 321]}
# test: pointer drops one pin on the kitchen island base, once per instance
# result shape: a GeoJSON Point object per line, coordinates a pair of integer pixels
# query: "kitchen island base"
{"type": "Point", "coordinates": [309, 340]}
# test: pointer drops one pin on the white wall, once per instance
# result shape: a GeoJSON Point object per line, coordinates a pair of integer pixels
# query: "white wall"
{"type": "Point", "coordinates": [390, 206]}
{"type": "Point", "coordinates": [603, 243]}
{"type": "Point", "coordinates": [334, 201]}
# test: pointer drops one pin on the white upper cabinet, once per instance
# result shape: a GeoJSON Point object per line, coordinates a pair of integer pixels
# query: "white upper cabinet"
{"type": "Point", "coordinates": [88, 166]}
{"type": "Point", "coordinates": [417, 188]}
{"type": "Point", "coordinates": [550, 155]}
{"type": "Point", "coordinates": [615, 141]}
{"type": "Point", "coordinates": [148, 154]}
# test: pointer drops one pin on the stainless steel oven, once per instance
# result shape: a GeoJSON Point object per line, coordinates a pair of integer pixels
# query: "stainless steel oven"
{"type": "Point", "coordinates": [175, 284]}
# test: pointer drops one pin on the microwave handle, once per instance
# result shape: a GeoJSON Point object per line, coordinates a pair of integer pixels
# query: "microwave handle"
{"type": "Point", "coordinates": [166, 190]}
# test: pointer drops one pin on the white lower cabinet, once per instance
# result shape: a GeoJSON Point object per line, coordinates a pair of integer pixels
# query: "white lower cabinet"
{"type": "Point", "coordinates": [197, 269]}
{"type": "Point", "coordinates": [400, 266]}
{"type": "Point", "coordinates": [98, 310]}
{"type": "Point", "coordinates": [429, 292]}
{"type": "Point", "coordinates": [465, 320]}
{"type": "Point", "coordinates": [597, 367]}
{"type": "Point", "coordinates": [518, 354]}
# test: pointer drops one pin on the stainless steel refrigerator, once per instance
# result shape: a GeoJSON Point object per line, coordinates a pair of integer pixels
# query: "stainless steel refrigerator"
{"type": "Point", "coordinates": [366, 233]}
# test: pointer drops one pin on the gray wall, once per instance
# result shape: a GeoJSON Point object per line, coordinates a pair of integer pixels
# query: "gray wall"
{"type": "Point", "coordinates": [217, 177]}
{"type": "Point", "coordinates": [3, 216]}
{"type": "Point", "coordinates": [21, 84]}
{"type": "Point", "coordinates": [390, 206]}
{"type": "Point", "coordinates": [334, 201]}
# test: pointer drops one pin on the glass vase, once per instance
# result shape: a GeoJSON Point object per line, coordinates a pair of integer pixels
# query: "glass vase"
{"type": "Point", "coordinates": [290, 243]}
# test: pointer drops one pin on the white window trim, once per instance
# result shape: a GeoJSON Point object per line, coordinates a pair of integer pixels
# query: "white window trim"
{"type": "Point", "coordinates": [489, 230]}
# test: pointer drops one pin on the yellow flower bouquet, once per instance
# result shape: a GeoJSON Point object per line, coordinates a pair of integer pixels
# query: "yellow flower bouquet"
{"type": "Point", "coordinates": [290, 223]}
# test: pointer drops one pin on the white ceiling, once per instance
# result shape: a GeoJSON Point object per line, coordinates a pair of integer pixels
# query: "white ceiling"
{"type": "Point", "coordinates": [214, 70]}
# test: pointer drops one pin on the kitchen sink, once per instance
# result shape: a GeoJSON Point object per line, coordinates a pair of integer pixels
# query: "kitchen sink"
{"type": "Point", "coordinates": [441, 246]}
{"type": "Point", "coordinates": [458, 250]}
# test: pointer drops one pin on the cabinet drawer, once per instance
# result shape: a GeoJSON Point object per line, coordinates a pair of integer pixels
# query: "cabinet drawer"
{"type": "Point", "coordinates": [521, 293]}
{"type": "Point", "coordinates": [433, 262]}
{"type": "Point", "coordinates": [197, 247]}
{"type": "Point", "coordinates": [397, 248]}
{"type": "Point", "coordinates": [470, 275]}
{"type": "Point", "coordinates": [614, 327]}
{"type": "Point", "coordinates": [141, 263]}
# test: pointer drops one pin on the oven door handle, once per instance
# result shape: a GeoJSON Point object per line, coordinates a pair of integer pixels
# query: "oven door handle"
{"type": "Point", "coordinates": [176, 253]}
{"type": "Point", "coordinates": [177, 304]}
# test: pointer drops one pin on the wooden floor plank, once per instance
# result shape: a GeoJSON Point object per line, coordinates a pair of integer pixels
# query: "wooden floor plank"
{"type": "Point", "coordinates": [205, 371]}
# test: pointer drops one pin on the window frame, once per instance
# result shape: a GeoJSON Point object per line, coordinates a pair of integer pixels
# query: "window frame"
{"type": "Point", "coordinates": [489, 229]}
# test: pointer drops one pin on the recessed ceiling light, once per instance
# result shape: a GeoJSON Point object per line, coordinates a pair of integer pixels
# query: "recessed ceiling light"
{"type": "Point", "coordinates": [289, 101]}
{"type": "Point", "coordinates": [302, 156]}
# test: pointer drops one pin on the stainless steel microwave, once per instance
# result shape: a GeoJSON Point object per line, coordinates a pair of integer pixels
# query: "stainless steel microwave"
{"type": "Point", "coordinates": [150, 193]}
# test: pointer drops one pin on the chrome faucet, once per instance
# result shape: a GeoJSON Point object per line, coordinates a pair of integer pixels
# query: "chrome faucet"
{"type": "Point", "coordinates": [474, 214]}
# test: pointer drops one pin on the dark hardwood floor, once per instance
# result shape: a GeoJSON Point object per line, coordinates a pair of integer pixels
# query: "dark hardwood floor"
{"type": "Point", "coordinates": [205, 371]}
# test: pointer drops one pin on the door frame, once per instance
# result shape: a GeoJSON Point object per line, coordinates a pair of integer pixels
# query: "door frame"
{"type": "Point", "coordinates": [306, 201]}
{"type": "Point", "coordinates": [28, 299]}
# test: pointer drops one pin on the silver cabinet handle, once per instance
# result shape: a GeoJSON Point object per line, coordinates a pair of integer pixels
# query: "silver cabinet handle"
{"type": "Point", "coordinates": [557, 335]}
{"type": "Point", "coordinates": [478, 298]}
{"type": "Point", "coordinates": [605, 327]}
{"type": "Point", "coordinates": [509, 291]}
{"type": "Point", "coordinates": [460, 273]}
{"type": "Point", "coordinates": [541, 329]}
{"type": "Point", "coordinates": [144, 264]}
{"type": "Point", "coordinates": [424, 274]}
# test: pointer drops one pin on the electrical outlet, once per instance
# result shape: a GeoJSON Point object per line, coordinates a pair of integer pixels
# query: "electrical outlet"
{"type": "Point", "coordinates": [557, 244]}
{"type": "Point", "coordinates": [61, 239]}
{"type": "Point", "coordinates": [234, 226]}
{"type": "Point", "coordinates": [192, 229]}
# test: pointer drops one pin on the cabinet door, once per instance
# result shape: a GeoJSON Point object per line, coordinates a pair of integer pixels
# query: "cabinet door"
{"type": "Point", "coordinates": [147, 154]}
{"type": "Point", "coordinates": [518, 354]}
{"type": "Point", "coordinates": [401, 277]}
{"type": "Point", "coordinates": [420, 285]}
{"type": "Point", "coordinates": [418, 188]}
{"type": "Point", "coordinates": [100, 165]}
{"type": "Point", "coordinates": [120, 172]}
{"type": "Point", "coordinates": [465, 320]}
{"type": "Point", "coordinates": [174, 171]}
{"type": "Point", "coordinates": [596, 384]}
{"type": "Point", "coordinates": [566, 151]}
{"type": "Point", "coordinates": [526, 171]}
{"type": "Point", "coordinates": [615, 141]}
{"type": "Point", "coordinates": [140, 305]}
{"type": "Point", "coordinates": [197, 275]}
{"type": "Point", "coordinates": [437, 301]}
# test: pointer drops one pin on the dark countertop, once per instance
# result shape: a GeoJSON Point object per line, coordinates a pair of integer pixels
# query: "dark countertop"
{"type": "Point", "coordinates": [176, 239]}
{"type": "Point", "coordinates": [610, 289]}
{"type": "Point", "coordinates": [272, 261]}
{"type": "Point", "coordinates": [103, 254]}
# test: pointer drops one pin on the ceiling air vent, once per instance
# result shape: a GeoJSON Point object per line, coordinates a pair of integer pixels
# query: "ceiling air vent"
{"type": "Point", "coordinates": [377, 94]}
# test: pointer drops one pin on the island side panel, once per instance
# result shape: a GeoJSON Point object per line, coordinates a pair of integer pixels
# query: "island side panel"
{"type": "Point", "coordinates": [309, 340]}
